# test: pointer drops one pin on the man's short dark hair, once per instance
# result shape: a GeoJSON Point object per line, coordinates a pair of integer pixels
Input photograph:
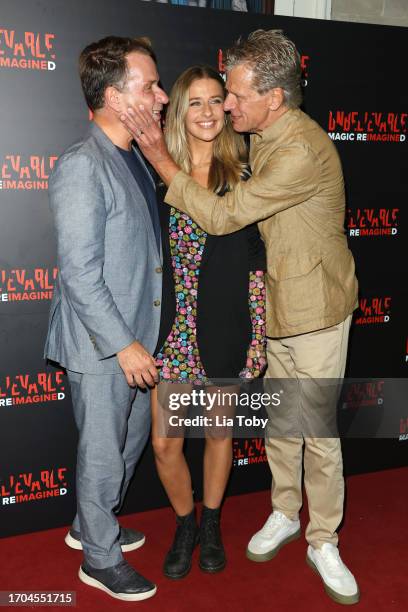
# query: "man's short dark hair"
{"type": "Point", "coordinates": [103, 64]}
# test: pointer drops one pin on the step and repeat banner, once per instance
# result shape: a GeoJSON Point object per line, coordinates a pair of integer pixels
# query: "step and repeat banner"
{"type": "Point", "coordinates": [355, 89]}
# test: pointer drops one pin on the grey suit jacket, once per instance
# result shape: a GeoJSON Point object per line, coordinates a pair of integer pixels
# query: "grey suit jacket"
{"type": "Point", "coordinates": [108, 289]}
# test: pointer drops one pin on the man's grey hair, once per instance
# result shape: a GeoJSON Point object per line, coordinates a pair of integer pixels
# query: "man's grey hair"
{"type": "Point", "coordinates": [274, 60]}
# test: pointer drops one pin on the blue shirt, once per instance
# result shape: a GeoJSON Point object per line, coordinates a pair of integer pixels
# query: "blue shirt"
{"type": "Point", "coordinates": [143, 179]}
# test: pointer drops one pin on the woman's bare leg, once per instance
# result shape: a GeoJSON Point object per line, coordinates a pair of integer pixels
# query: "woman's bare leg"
{"type": "Point", "coordinates": [217, 468]}
{"type": "Point", "coordinates": [170, 462]}
{"type": "Point", "coordinates": [218, 453]}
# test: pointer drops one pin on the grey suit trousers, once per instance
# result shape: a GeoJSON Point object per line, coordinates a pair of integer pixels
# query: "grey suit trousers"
{"type": "Point", "coordinates": [113, 422]}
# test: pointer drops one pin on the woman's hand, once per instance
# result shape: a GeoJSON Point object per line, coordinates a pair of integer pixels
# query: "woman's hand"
{"type": "Point", "coordinates": [146, 130]}
{"type": "Point", "coordinates": [256, 361]}
{"type": "Point", "coordinates": [149, 137]}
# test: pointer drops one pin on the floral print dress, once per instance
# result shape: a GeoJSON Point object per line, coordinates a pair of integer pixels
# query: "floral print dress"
{"type": "Point", "coordinates": [179, 358]}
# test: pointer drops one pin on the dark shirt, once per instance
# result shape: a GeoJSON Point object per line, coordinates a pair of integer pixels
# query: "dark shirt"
{"type": "Point", "coordinates": [143, 179]}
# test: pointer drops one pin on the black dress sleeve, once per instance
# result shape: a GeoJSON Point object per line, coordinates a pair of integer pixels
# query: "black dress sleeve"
{"type": "Point", "coordinates": [256, 248]}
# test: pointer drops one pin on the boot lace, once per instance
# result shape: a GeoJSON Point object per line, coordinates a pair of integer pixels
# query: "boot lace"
{"type": "Point", "coordinates": [184, 538]}
{"type": "Point", "coordinates": [211, 533]}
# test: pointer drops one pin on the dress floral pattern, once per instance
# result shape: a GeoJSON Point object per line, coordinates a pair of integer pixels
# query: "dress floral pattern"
{"type": "Point", "coordinates": [179, 358]}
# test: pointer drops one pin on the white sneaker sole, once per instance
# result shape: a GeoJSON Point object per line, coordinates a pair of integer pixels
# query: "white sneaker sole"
{"type": "Point", "coordinates": [123, 596]}
{"type": "Point", "coordinates": [270, 554]}
{"type": "Point", "coordinates": [346, 600]}
{"type": "Point", "coordinates": [77, 545]}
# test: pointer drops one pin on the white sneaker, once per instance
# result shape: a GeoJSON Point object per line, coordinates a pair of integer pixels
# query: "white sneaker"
{"type": "Point", "coordinates": [339, 582]}
{"type": "Point", "coordinates": [277, 531]}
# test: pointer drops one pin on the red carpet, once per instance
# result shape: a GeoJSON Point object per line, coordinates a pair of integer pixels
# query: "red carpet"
{"type": "Point", "coordinates": [374, 543]}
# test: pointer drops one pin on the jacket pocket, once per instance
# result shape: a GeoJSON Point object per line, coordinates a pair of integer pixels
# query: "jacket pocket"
{"type": "Point", "coordinates": [297, 289]}
{"type": "Point", "coordinates": [286, 266]}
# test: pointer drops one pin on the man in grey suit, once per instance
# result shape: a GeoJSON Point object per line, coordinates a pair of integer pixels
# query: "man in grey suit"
{"type": "Point", "coordinates": [105, 314]}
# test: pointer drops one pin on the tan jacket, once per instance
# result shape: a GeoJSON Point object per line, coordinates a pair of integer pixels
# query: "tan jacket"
{"type": "Point", "coordinates": [296, 193]}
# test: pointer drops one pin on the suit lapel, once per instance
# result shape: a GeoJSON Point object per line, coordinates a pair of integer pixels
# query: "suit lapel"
{"type": "Point", "coordinates": [144, 164]}
{"type": "Point", "coordinates": [128, 178]}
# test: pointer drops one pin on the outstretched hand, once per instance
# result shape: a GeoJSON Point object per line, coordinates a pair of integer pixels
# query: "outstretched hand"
{"type": "Point", "coordinates": [150, 139]}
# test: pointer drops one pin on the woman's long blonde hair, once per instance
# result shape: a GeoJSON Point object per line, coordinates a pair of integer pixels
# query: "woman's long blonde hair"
{"type": "Point", "coordinates": [229, 152]}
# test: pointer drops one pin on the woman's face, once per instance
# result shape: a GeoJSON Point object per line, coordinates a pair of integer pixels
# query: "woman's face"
{"type": "Point", "coordinates": [205, 115]}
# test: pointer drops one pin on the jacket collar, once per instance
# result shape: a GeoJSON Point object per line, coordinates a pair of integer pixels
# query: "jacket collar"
{"type": "Point", "coordinates": [101, 137]}
{"type": "Point", "coordinates": [274, 131]}
{"type": "Point", "coordinates": [106, 142]}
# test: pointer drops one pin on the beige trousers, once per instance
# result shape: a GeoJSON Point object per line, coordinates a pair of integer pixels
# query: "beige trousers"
{"type": "Point", "coordinates": [315, 355]}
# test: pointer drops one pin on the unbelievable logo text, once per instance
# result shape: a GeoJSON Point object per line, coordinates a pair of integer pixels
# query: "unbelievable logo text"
{"type": "Point", "coordinates": [22, 172]}
{"type": "Point", "coordinates": [28, 389]}
{"type": "Point", "coordinates": [367, 126]}
{"type": "Point", "coordinates": [249, 451]}
{"type": "Point", "coordinates": [368, 222]}
{"type": "Point", "coordinates": [24, 285]}
{"type": "Point", "coordinates": [27, 487]}
{"type": "Point", "coordinates": [374, 310]}
{"type": "Point", "coordinates": [27, 50]}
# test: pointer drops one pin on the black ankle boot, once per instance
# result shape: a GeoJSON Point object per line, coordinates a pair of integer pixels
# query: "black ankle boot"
{"type": "Point", "coordinates": [212, 554]}
{"type": "Point", "coordinates": [177, 563]}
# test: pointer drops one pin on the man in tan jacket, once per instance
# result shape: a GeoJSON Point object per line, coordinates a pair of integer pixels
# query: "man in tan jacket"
{"type": "Point", "coordinates": [296, 194]}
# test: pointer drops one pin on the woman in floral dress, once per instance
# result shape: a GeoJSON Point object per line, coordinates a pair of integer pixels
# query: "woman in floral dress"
{"type": "Point", "coordinates": [213, 308]}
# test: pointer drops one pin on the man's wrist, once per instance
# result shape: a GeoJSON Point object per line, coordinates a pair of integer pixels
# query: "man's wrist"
{"type": "Point", "coordinates": [126, 347]}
